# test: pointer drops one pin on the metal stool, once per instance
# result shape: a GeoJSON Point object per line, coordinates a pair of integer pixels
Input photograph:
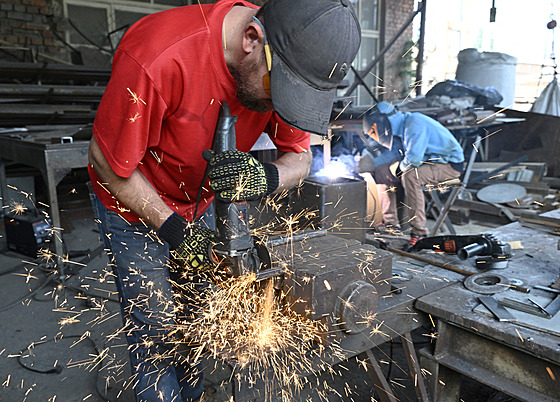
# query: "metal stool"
{"type": "Point", "coordinates": [441, 209]}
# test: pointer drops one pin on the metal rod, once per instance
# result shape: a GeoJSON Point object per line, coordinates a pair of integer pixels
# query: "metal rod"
{"type": "Point", "coordinates": [446, 266]}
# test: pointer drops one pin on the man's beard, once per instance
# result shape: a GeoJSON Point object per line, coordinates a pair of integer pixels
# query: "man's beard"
{"type": "Point", "coordinates": [246, 91]}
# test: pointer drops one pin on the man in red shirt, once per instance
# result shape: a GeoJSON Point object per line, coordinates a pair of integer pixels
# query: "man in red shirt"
{"type": "Point", "coordinates": [277, 68]}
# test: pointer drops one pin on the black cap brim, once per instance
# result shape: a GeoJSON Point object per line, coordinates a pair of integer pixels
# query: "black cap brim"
{"type": "Point", "coordinates": [296, 102]}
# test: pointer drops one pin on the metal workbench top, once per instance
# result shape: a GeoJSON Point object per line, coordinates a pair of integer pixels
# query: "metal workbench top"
{"type": "Point", "coordinates": [520, 358]}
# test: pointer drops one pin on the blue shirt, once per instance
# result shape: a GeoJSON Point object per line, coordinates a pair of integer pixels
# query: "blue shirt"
{"type": "Point", "coordinates": [424, 140]}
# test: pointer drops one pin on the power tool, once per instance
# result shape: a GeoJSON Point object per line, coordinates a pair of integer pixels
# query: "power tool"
{"type": "Point", "coordinates": [237, 251]}
{"type": "Point", "coordinates": [466, 246]}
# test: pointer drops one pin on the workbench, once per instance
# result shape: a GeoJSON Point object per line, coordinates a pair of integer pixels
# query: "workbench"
{"type": "Point", "coordinates": [396, 319]}
{"type": "Point", "coordinates": [520, 358]}
{"type": "Point", "coordinates": [54, 152]}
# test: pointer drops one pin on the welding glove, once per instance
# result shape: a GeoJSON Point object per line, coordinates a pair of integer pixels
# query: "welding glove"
{"type": "Point", "coordinates": [238, 176]}
{"type": "Point", "coordinates": [190, 244]}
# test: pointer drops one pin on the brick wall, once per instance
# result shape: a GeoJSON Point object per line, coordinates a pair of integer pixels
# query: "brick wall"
{"type": "Point", "coordinates": [25, 31]}
{"type": "Point", "coordinates": [395, 78]}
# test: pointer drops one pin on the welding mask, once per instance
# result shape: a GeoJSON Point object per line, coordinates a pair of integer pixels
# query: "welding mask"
{"type": "Point", "coordinates": [376, 126]}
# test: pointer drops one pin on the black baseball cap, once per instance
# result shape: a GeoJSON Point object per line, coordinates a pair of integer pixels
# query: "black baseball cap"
{"type": "Point", "coordinates": [313, 45]}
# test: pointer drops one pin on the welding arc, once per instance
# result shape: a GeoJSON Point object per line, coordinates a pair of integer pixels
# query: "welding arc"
{"type": "Point", "coordinates": [445, 266]}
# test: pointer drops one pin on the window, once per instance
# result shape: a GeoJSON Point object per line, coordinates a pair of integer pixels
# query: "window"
{"type": "Point", "coordinates": [101, 24]}
{"type": "Point", "coordinates": [368, 14]}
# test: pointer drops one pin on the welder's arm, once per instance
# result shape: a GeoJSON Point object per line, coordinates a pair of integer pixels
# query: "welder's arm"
{"type": "Point", "coordinates": [292, 169]}
{"type": "Point", "coordinates": [149, 206]}
{"type": "Point", "coordinates": [189, 243]}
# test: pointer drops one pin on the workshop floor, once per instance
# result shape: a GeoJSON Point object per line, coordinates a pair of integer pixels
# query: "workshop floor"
{"type": "Point", "coordinates": [56, 345]}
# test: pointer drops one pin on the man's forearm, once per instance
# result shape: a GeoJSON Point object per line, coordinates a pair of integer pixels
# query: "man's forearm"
{"type": "Point", "coordinates": [134, 192]}
{"type": "Point", "coordinates": [292, 169]}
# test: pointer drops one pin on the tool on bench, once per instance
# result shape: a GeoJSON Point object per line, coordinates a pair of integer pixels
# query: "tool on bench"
{"type": "Point", "coordinates": [524, 307]}
{"type": "Point", "coordinates": [465, 246]}
{"type": "Point", "coordinates": [238, 252]}
{"type": "Point", "coordinates": [382, 245]}
{"type": "Point", "coordinates": [547, 289]}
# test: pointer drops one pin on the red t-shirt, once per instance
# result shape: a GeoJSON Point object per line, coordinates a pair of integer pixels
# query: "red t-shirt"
{"type": "Point", "coordinates": [161, 106]}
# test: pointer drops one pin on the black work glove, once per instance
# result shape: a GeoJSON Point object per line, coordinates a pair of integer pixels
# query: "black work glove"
{"type": "Point", "coordinates": [190, 244]}
{"type": "Point", "coordinates": [237, 176]}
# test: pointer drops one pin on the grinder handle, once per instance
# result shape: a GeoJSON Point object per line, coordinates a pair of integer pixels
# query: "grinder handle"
{"type": "Point", "coordinates": [225, 130]}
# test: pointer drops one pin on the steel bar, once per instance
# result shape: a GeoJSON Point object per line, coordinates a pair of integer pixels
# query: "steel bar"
{"type": "Point", "coordinates": [553, 307]}
{"type": "Point", "coordinates": [376, 375]}
{"type": "Point", "coordinates": [495, 308]}
{"type": "Point", "coordinates": [414, 367]}
{"type": "Point", "coordinates": [52, 92]}
{"type": "Point", "coordinates": [46, 71]}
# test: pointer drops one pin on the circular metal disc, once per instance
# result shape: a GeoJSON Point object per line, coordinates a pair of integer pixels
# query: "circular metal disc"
{"type": "Point", "coordinates": [356, 306]}
{"type": "Point", "coordinates": [501, 193]}
{"type": "Point", "coordinates": [487, 283]}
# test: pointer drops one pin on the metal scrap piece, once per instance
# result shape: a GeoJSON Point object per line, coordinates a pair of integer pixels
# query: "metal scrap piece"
{"type": "Point", "coordinates": [495, 308]}
{"type": "Point", "coordinates": [553, 307]}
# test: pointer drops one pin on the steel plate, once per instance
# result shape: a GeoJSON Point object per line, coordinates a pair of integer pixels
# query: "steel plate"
{"type": "Point", "coordinates": [501, 193]}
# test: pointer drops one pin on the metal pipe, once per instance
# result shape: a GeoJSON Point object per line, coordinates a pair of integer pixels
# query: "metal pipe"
{"type": "Point", "coordinates": [420, 56]}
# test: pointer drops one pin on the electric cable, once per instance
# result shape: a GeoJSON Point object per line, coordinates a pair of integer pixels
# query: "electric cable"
{"type": "Point", "coordinates": [57, 368]}
{"type": "Point", "coordinates": [47, 280]}
{"type": "Point", "coordinates": [52, 277]}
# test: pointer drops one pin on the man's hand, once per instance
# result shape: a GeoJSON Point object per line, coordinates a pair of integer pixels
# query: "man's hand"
{"type": "Point", "coordinates": [237, 176]}
{"type": "Point", "coordinates": [190, 244]}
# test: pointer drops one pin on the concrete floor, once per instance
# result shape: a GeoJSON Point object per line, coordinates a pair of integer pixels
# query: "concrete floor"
{"type": "Point", "coordinates": [51, 338]}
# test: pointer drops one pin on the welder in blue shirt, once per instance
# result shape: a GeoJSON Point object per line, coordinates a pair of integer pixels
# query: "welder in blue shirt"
{"type": "Point", "coordinates": [431, 155]}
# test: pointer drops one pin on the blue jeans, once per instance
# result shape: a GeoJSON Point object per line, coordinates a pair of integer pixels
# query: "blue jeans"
{"type": "Point", "coordinates": [141, 272]}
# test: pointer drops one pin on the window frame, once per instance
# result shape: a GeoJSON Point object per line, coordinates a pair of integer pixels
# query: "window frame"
{"type": "Point", "coordinates": [111, 7]}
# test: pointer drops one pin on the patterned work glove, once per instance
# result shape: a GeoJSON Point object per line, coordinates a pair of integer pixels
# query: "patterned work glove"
{"type": "Point", "coordinates": [190, 244]}
{"type": "Point", "coordinates": [237, 176]}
